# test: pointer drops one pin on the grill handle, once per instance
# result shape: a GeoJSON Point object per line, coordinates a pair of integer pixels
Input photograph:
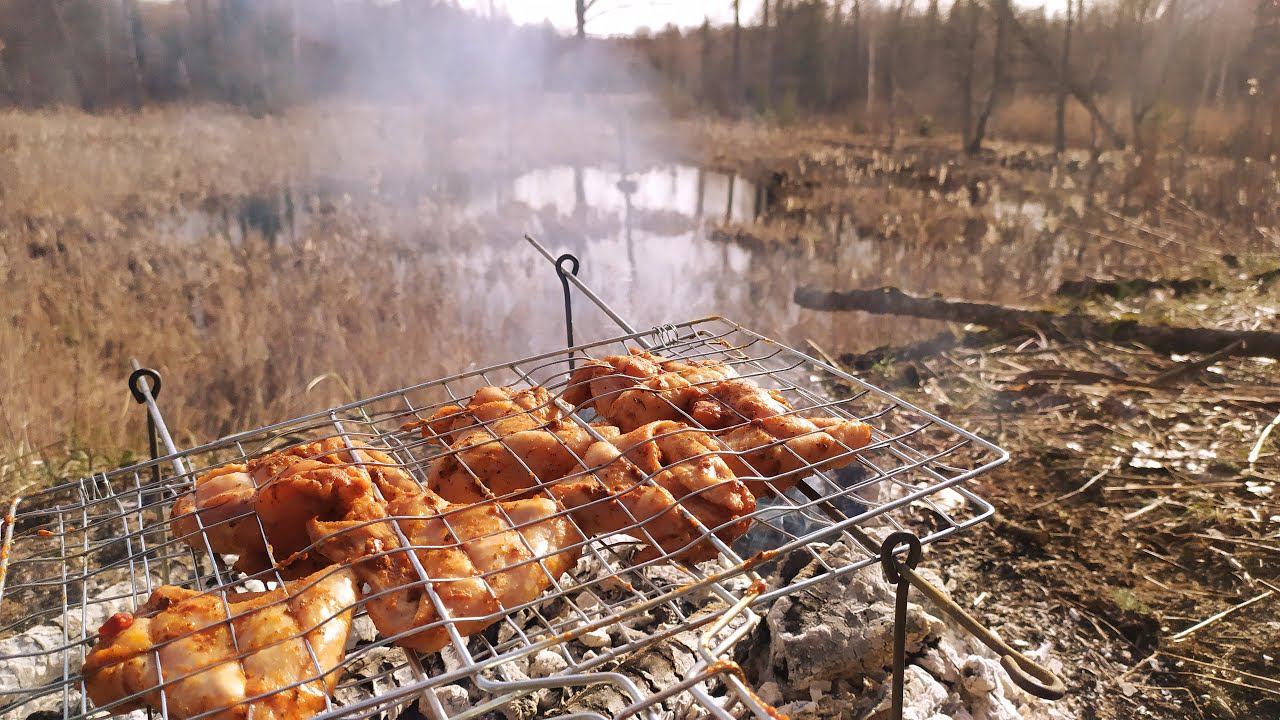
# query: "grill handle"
{"type": "Point", "coordinates": [1023, 671]}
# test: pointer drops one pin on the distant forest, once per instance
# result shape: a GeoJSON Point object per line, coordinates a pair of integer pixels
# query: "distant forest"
{"type": "Point", "coordinates": [1135, 72]}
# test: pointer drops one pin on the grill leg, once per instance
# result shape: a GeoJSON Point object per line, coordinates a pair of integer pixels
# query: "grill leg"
{"type": "Point", "coordinates": [572, 260]}
{"type": "Point", "coordinates": [141, 394]}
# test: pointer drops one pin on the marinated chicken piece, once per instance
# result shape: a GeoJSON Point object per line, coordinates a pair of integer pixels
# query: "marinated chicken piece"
{"type": "Point", "coordinates": [682, 461]}
{"type": "Point", "coordinates": [632, 390]}
{"type": "Point", "coordinates": [215, 656]}
{"type": "Point", "coordinates": [481, 560]}
{"type": "Point", "coordinates": [274, 496]}
{"type": "Point", "coordinates": [773, 443]}
{"type": "Point", "coordinates": [617, 497]}
{"type": "Point", "coordinates": [687, 463]}
{"type": "Point", "coordinates": [224, 497]}
{"type": "Point", "coordinates": [500, 410]}
{"type": "Point", "coordinates": [480, 467]}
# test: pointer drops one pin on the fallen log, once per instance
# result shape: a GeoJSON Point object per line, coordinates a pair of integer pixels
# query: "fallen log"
{"type": "Point", "coordinates": [1131, 287]}
{"type": "Point", "coordinates": [1160, 338]}
{"type": "Point", "coordinates": [927, 348]}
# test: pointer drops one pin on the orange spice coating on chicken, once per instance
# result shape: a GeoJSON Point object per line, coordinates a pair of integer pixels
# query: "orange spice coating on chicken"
{"type": "Point", "coordinates": [213, 662]}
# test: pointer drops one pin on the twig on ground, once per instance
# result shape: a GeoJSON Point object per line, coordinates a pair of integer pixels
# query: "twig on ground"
{"type": "Point", "coordinates": [1256, 452]}
{"type": "Point", "coordinates": [1183, 369]}
{"type": "Point", "coordinates": [1088, 484]}
{"type": "Point", "coordinates": [1184, 634]}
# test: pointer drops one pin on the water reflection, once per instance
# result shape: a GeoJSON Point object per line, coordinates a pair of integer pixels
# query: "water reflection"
{"type": "Point", "coordinates": [651, 244]}
{"type": "Point", "coordinates": [569, 190]}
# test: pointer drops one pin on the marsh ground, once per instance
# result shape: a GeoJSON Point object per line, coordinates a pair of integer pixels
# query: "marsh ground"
{"type": "Point", "coordinates": [272, 266]}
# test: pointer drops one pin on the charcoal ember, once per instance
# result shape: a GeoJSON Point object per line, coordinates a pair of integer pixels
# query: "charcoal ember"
{"type": "Point", "coordinates": [653, 669]}
{"type": "Point", "coordinates": [837, 630]}
{"type": "Point", "coordinates": [827, 652]}
{"type": "Point", "coordinates": [453, 698]}
{"type": "Point", "coordinates": [39, 660]}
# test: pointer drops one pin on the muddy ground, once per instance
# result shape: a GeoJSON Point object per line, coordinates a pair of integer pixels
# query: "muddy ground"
{"type": "Point", "coordinates": [1137, 526]}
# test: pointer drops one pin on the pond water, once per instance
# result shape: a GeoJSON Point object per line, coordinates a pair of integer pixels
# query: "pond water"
{"type": "Point", "coordinates": [651, 244]}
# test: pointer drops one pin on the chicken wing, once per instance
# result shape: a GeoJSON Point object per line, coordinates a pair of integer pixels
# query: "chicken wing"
{"type": "Point", "coordinates": [215, 657]}
{"type": "Point", "coordinates": [236, 507]}
{"type": "Point", "coordinates": [632, 390]}
{"type": "Point", "coordinates": [770, 439]}
{"type": "Point", "coordinates": [687, 463]}
{"type": "Point", "coordinates": [480, 467]}
{"type": "Point", "coordinates": [481, 560]}
{"type": "Point", "coordinates": [499, 410]}
{"type": "Point", "coordinates": [616, 498]}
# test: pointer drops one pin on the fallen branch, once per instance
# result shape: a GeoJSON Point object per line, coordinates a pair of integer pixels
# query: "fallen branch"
{"type": "Point", "coordinates": [931, 347]}
{"type": "Point", "coordinates": [1120, 288]}
{"type": "Point", "coordinates": [1183, 635]}
{"type": "Point", "coordinates": [1088, 484]}
{"type": "Point", "coordinates": [1130, 287]}
{"type": "Point", "coordinates": [1160, 338]}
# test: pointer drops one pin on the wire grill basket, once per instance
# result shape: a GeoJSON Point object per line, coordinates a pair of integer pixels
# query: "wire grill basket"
{"type": "Point", "coordinates": [79, 552]}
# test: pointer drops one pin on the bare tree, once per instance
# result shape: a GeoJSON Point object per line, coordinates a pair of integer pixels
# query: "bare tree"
{"type": "Point", "coordinates": [1060, 111]}
{"type": "Point", "coordinates": [137, 55]}
{"type": "Point", "coordinates": [6, 84]}
{"type": "Point", "coordinates": [997, 84]}
{"type": "Point", "coordinates": [75, 63]}
{"type": "Point", "coordinates": [966, 14]}
{"type": "Point", "coordinates": [704, 62]}
{"type": "Point", "coordinates": [737, 58]}
{"type": "Point", "coordinates": [768, 56]}
{"type": "Point", "coordinates": [1152, 55]}
{"type": "Point", "coordinates": [1038, 53]}
{"type": "Point", "coordinates": [871, 69]}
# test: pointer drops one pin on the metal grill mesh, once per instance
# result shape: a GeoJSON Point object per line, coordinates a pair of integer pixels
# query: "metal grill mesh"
{"type": "Point", "coordinates": [84, 550]}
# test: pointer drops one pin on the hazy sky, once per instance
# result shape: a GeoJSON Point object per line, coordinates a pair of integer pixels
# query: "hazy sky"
{"type": "Point", "coordinates": [620, 17]}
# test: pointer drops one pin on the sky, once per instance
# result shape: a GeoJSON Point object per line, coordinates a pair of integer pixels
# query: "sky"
{"type": "Point", "coordinates": [623, 17]}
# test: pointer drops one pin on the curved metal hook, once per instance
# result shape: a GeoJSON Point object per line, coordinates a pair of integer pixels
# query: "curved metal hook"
{"type": "Point", "coordinates": [1025, 672]}
{"type": "Point", "coordinates": [568, 298]}
{"type": "Point", "coordinates": [889, 559]}
{"type": "Point", "coordinates": [136, 390]}
{"type": "Point", "coordinates": [1032, 677]}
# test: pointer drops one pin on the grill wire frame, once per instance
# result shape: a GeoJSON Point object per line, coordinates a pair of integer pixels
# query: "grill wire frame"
{"type": "Point", "coordinates": [897, 483]}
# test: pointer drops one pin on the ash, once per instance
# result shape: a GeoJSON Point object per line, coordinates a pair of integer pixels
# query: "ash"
{"type": "Point", "coordinates": [824, 652]}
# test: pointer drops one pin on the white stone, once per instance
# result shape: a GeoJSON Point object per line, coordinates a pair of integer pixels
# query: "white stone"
{"type": "Point", "coordinates": [547, 662]}
{"type": "Point", "coordinates": [770, 692]}
{"type": "Point", "coordinates": [43, 663]}
{"type": "Point", "coordinates": [597, 638]}
{"type": "Point", "coordinates": [453, 698]}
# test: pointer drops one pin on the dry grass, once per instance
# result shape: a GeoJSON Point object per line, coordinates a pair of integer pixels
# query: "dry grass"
{"type": "Point", "coordinates": [121, 238]}
{"type": "Point", "coordinates": [1031, 118]}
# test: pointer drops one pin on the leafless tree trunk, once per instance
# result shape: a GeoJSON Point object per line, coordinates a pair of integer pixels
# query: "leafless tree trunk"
{"type": "Point", "coordinates": [971, 61]}
{"type": "Point", "coordinates": [295, 51]}
{"type": "Point", "coordinates": [871, 71]}
{"type": "Point", "coordinates": [768, 57]}
{"type": "Point", "coordinates": [84, 97]}
{"type": "Point", "coordinates": [997, 84]}
{"type": "Point", "coordinates": [137, 55]}
{"type": "Point", "coordinates": [1149, 91]}
{"type": "Point", "coordinates": [855, 41]}
{"type": "Point", "coordinates": [1266, 51]}
{"type": "Point", "coordinates": [737, 58]}
{"type": "Point", "coordinates": [1060, 134]}
{"type": "Point", "coordinates": [704, 60]}
{"type": "Point", "coordinates": [1042, 57]}
{"type": "Point", "coordinates": [580, 46]}
{"type": "Point", "coordinates": [6, 84]}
